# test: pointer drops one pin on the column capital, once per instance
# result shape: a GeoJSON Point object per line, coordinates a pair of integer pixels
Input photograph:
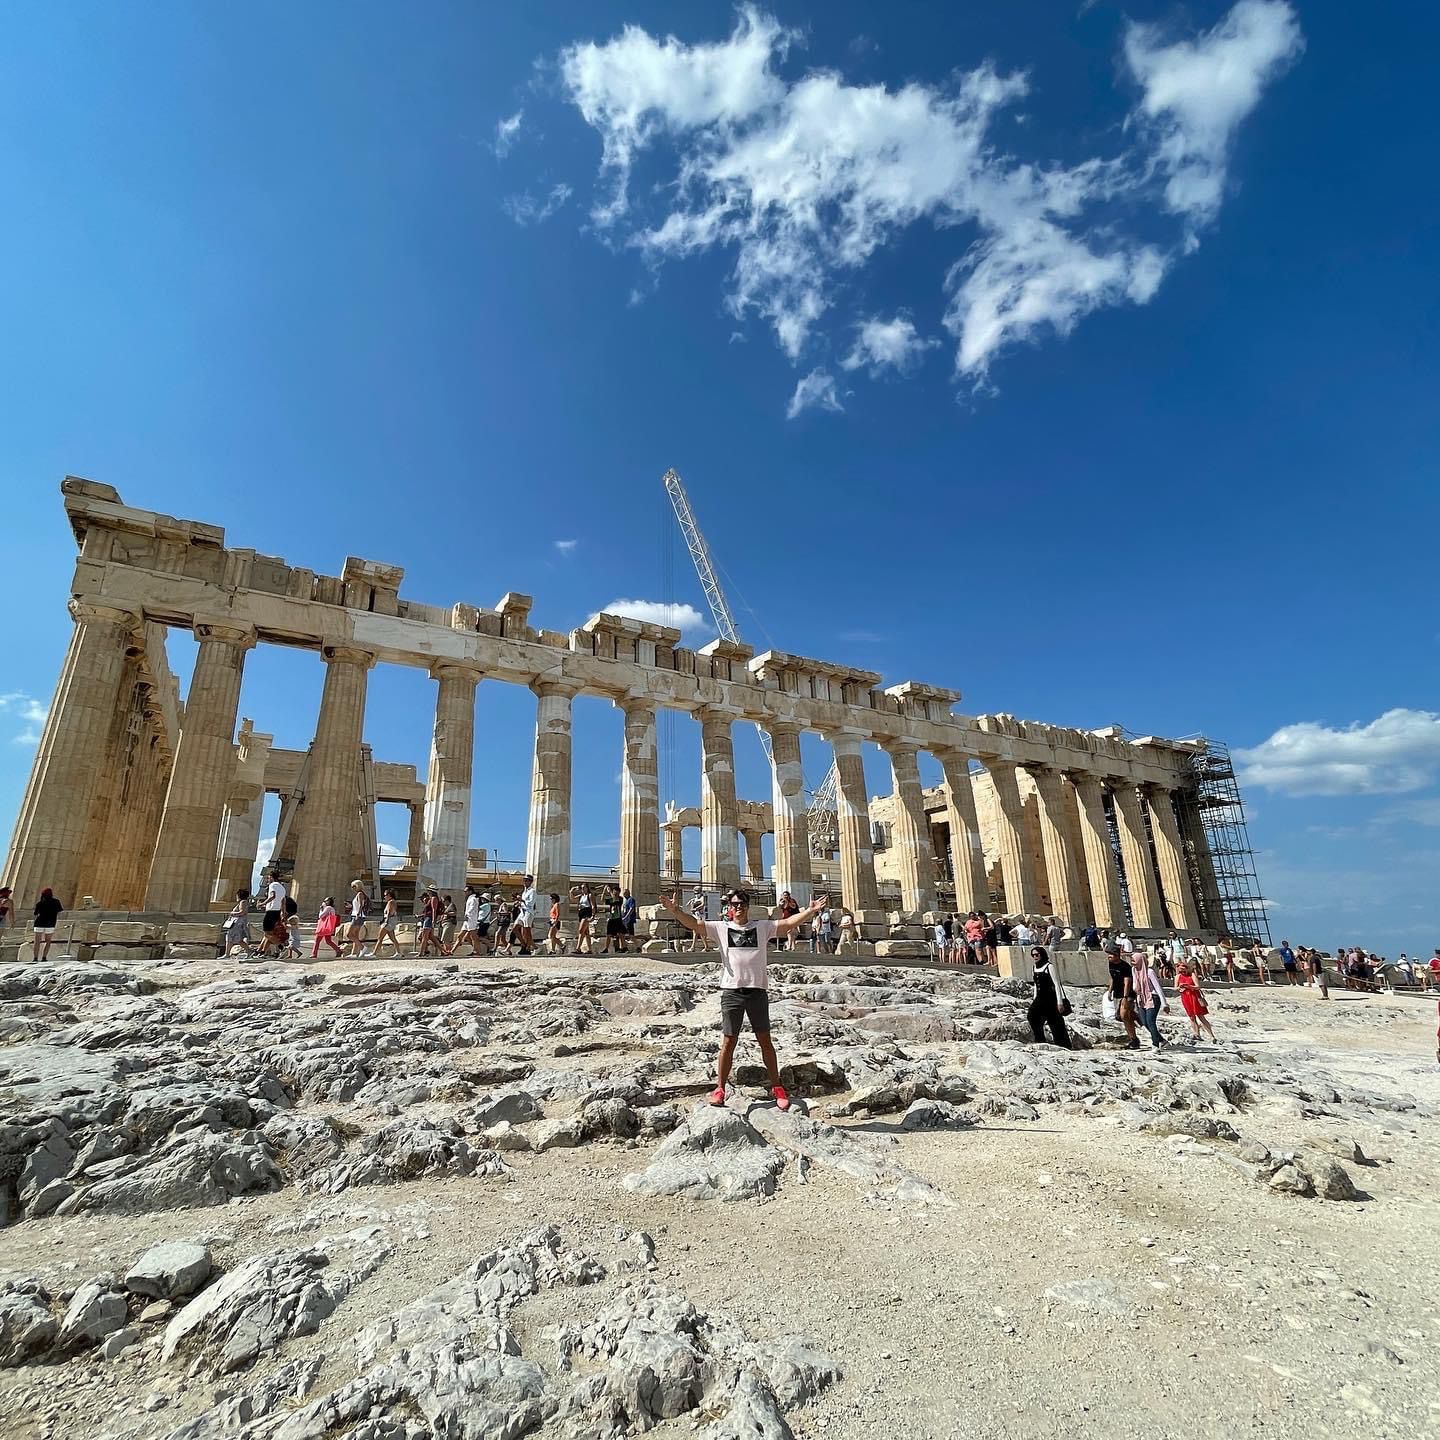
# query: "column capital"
{"type": "Point", "coordinates": [347, 655]}
{"type": "Point", "coordinates": [628, 703]}
{"type": "Point", "coordinates": [845, 734]}
{"type": "Point", "coordinates": [898, 744]}
{"type": "Point", "coordinates": [224, 632]}
{"type": "Point", "coordinates": [781, 726]}
{"type": "Point", "coordinates": [549, 687]}
{"type": "Point", "coordinates": [715, 714]}
{"type": "Point", "coordinates": [456, 670]}
{"type": "Point", "coordinates": [92, 612]}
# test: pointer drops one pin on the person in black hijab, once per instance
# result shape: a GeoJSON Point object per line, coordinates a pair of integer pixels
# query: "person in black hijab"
{"type": "Point", "coordinates": [1045, 1007]}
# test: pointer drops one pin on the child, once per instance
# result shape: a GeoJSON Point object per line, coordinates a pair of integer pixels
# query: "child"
{"type": "Point", "coordinates": [326, 923]}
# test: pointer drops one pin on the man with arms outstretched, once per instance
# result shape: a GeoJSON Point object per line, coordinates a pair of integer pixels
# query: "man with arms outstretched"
{"type": "Point", "coordinates": [744, 980]}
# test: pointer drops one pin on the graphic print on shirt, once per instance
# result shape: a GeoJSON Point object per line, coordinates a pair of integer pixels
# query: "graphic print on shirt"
{"type": "Point", "coordinates": [744, 939]}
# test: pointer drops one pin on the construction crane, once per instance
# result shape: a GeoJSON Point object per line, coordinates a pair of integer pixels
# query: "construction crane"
{"type": "Point", "coordinates": [823, 822]}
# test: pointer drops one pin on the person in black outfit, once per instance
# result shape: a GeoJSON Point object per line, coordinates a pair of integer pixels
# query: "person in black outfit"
{"type": "Point", "coordinates": [47, 912]}
{"type": "Point", "coordinates": [1045, 1007]}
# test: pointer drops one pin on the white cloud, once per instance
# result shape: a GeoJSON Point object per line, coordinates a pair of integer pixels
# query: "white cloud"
{"type": "Point", "coordinates": [25, 711]}
{"type": "Point", "coordinates": [528, 209]}
{"type": "Point", "coordinates": [1398, 752]}
{"type": "Point", "coordinates": [814, 391]}
{"type": "Point", "coordinates": [682, 617]}
{"type": "Point", "coordinates": [566, 547]}
{"type": "Point", "coordinates": [505, 132]}
{"type": "Point", "coordinates": [391, 858]}
{"type": "Point", "coordinates": [887, 345]}
{"type": "Point", "coordinates": [805, 179]}
{"type": "Point", "coordinates": [1196, 92]}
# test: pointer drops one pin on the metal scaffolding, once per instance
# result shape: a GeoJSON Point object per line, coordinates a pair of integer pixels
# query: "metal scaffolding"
{"type": "Point", "coordinates": [1217, 848]}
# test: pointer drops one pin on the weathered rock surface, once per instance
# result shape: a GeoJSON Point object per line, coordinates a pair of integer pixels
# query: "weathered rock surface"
{"type": "Point", "coordinates": [715, 1154]}
{"type": "Point", "coordinates": [170, 1270]}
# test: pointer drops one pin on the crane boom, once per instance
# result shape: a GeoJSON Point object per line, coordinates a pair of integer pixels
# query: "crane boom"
{"type": "Point", "coordinates": [823, 827]}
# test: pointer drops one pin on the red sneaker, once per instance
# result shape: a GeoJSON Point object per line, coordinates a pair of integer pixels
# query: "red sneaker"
{"type": "Point", "coordinates": [717, 1095]}
{"type": "Point", "coordinates": [782, 1100]}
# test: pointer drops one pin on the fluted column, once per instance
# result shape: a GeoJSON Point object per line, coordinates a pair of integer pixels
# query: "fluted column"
{"type": "Point", "coordinates": [1061, 867]}
{"type": "Point", "coordinates": [547, 853]}
{"type": "Point", "coordinates": [1135, 851]}
{"type": "Point", "coordinates": [967, 854]}
{"type": "Point", "coordinates": [1104, 878]}
{"type": "Point", "coordinates": [1174, 873]}
{"type": "Point", "coordinates": [144, 804]}
{"type": "Point", "coordinates": [858, 886]}
{"type": "Point", "coordinates": [182, 872]}
{"type": "Point", "coordinates": [240, 826]}
{"type": "Point", "coordinates": [640, 803]}
{"type": "Point", "coordinates": [330, 817]}
{"type": "Point", "coordinates": [415, 838]}
{"type": "Point", "coordinates": [445, 840]}
{"type": "Point", "coordinates": [47, 847]}
{"type": "Point", "coordinates": [793, 871]}
{"type": "Point", "coordinates": [1021, 893]}
{"type": "Point", "coordinates": [911, 835]}
{"type": "Point", "coordinates": [719, 812]}
{"type": "Point", "coordinates": [674, 850]}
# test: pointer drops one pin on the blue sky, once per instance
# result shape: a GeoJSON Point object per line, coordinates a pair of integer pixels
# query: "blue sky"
{"type": "Point", "coordinates": [1079, 357]}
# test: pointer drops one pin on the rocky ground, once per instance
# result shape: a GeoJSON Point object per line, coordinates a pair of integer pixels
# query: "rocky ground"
{"type": "Point", "coordinates": [380, 1202]}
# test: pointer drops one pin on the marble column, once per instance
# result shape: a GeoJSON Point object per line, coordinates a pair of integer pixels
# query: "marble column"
{"type": "Point", "coordinates": [640, 803]}
{"type": "Point", "coordinates": [330, 817]}
{"type": "Point", "coordinates": [787, 800]}
{"type": "Point", "coordinates": [145, 802]}
{"type": "Point", "coordinates": [911, 834]}
{"type": "Point", "coordinates": [240, 827]}
{"type": "Point", "coordinates": [858, 887]}
{"type": "Point", "coordinates": [1061, 867]}
{"type": "Point", "coordinates": [967, 854]}
{"type": "Point", "coordinates": [753, 869]}
{"type": "Point", "coordinates": [415, 839]}
{"type": "Point", "coordinates": [547, 853]}
{"type": "Point", "coordinates": [1105, 897]}
{"type": "Point", "coordinates": [445, 840]}
{"type": "Point", "coordinates": [47, 847]}
{"type": "Point", "coordinates": [719, 813]}
{"type": "Point", "coordinates": [674, 851]}
{"type": "Point", "coordinates": [1021, 893]}
{"type": "Point", "coordinates": [1135, 852]}
{"type": "Point", "coordinates": [1174, 873]}
{"type": "Point", "coordinates": [182, 872]}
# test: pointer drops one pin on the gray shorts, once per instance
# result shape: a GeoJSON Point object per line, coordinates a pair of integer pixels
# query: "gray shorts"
{"type": "Point", "coordinates": [748, 1002]}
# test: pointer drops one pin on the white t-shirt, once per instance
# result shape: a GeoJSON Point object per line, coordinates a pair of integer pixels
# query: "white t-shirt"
{"type": "Point", "coordinates": [472, 911]}
{"type": "Point", "coordinates": [357, 905]}
{"type": "Point", "coordinates": [1126, 944]}
{"type": "Point", "coordinates": [940, 936]}
{"type": "Point", "coordinates": [275, 896]}
{"type": "Point", "coordinates": [742, 952]}
{"type": "Point", "coordinates": [527, 904]}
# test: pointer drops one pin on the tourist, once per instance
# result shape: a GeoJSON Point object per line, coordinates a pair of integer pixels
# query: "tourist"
{"type": "Point", "coordinates": [1122, 988]}
{"type": "Point", "coordinates": [7, 907]}
{"type": "Point", "coordinates": [1258, 951]}
{"type": "Point", "coordinates": [1024, 935]}
{"type": "Point", "coordinates": [1149, 995]}
{"type": "Point", "coordinates": [1433, 977]}
{"type": "Point", "coordinates": [1175, 951]}
{"type": "Point", "coordinates": [469, 923]}
{"type": "Point", "coordinates": [584, 911]}
{"type": "Point", "coordinates": [554, 945]}
{"type": "Point", "coordinates": [1291, 964]}
{"type": "Point", "coordinates": [849, 930]}
{"type": "Point", "coordinates": [1045, 1008]}
{"type": "Point", "coordinates": [47, 912]}
{"type": "Point", "coordinates": [940, 941]}
{"type": "Point", "coordinates": [275, 897]}
{"type": "Point", "coordinates": [744, 981]}
{"type": "Point", "coordinates": [1125, 943]}
{"type": "Point", "coordinates": [504, 916]}
{"type": "Point", "coordinates": [1053, 935]}
{"type": "Point", "coordinates": [629, 913]}
{"type": "Point", "coordinates": [389, 919]}
{"type": "Point", "coordinates": [327, 922]}
{"type": "Point", "coordinates": [1193, 1002]}
{"type": "Point", "coordinates": [292, 928]}
{"type": "Point", "coordinates": [487, 914]}
{"type": "Point", "coordinates": [699, 910]}
{"type": "Point", "coordinates": [989, 939]}
{"type": "Point", "coordinates": [359, 909]}
{"type": "Point", "coordinates": [614, 925]}
{"type": "Point", "coordinates": [1230, 966]}
{"type": "Point", "coordinates": [448, 918]}
{"type": "Point", "coordinates": [525, 916]}
{"type": "Point", "coordinates": [236, 934]}
{"type": "Point", "coordinates": [1004, 933]}
{"type": "Point", "coordinates": [824, 932]}
{"type": "Point", "coordinates": [788, 906]}
{"type": "Point", "coordinates": [427, 918]}
{"type": "Point", "coordinates": [974, 937]}
{"type": "Point", "coordinates": [1089, 938]}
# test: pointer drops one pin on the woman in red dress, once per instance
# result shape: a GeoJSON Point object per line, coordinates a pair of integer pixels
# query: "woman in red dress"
{"type": "Point", "coordinates": [1192, 999]}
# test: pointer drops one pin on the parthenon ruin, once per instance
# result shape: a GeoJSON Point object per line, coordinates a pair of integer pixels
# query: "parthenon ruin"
{"type": "Point", "coordinates": [149, 804]}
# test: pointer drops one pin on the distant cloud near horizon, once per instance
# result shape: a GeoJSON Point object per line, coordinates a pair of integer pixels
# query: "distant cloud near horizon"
{"type": "Point", "coordinates": [805, 179]}
{"type": "Point", "coordinates": [678, 616]}
{"type": "Point", "coordinates": [1393, 754]}
{"type": "Point", "coordinates": [27, 712]}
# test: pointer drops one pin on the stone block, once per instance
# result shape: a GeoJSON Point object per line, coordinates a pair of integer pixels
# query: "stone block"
{"type": "Point", "coordinates": [908, 932]}
{"type": "Point", "coordinates": [189, 952]}
{"type": "Point", "coordinates": [902, 950]}
{"type": "Point", "coordinates": [187, 932]}
{"type": "Point", "coordinates": [126, 954]}
{"type": "Point", "coordinates": [126, 932]}
{"type": "Point", "coordinates": [1081, 968]}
